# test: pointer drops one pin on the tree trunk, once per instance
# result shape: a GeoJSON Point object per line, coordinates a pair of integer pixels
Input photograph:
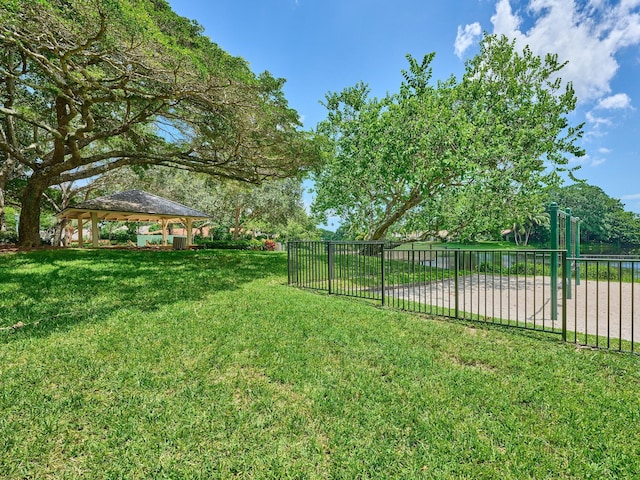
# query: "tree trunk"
{"type": "Point", "coordinates": [58, 231]}
{"type": "Point", "coordinates": [382, 228]}
{"type": "Point", "coordinates": [517, 234]}
{"type": "Point", "coordinates": [29, 229]}
{"type": "Point", "coordinates": [6, 170]}
{"type": "Point", "coordinates": [237, 223]}
{"type": "Point", "coordinates": [66, 241]}
{"type": "Point", "coordinates": [3, 217]}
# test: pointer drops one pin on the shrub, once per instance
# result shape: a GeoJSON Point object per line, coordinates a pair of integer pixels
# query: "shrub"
{"type": "Point", "coordinates": [269, 245]}
{"type": "Point", "coordinates": [233, 244]}
{"type": "Point", "coordinates": [489, 268]}
{"type": "Point", "coordinates": [220, 233]}
{"type": "Point", "coordinates": [529, 269]}
{"type": "Point", "coordinates": [603, 273]}
{"type": "Point", "coordinates": [119, 237]}
{"type": "Point", "coordinates": [9, 236]}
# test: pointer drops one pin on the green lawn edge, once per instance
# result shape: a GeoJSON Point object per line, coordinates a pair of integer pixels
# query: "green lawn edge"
{"type": "Point", "coordinates": [207, 365]}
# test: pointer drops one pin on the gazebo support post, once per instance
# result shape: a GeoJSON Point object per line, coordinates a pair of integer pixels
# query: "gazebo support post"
{"type": "Point", "coordinates": [80, 233]}
{"type": "Point", "coordinates": [189, 232]}
{"type": "Point", "coordinates": [95, 233]}
{"type": "Point", "coordinates": [164, 223]}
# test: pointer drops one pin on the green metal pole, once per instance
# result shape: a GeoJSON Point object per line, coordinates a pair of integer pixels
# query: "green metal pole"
{"type": "Point", "coordinates": [564, 298]}
{"type": "Point", "coordinates": [553, 217]}
{"type": "Point", "coordinates": [569, 243]}
{"type": "Point", "coordinates": [577, 252]}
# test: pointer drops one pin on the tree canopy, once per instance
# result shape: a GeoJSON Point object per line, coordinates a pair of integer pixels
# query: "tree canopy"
{"type": "Point", "coordinates": [449, 154]}
{"type": "Point", "coordinates": [602, 219]}
{"type": "Point", "coordinates": [88, 86]}
{"type": "Point", "coordinates": [234, 206]}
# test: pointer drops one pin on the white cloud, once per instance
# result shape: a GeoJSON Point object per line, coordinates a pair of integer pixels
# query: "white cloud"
{"type": "Point", "coordinates": [587, 34]}
{"type": "Point", "coordinates": [597, 122]}
{"type": "Point", "coordinates": [604, 151]}
{"type": "Point", "coordinates": [633, 196]}
{"type": "Point", "coordinates": [504, 20]}
{"type": "Point", "coordinates": [584, 160]}
{"type": "Point", "coordinates": [617, 101]}
{"type": "Point", "coordinates": [587, 161]}
{"type": "Point", "coordinates": [466, 37]}
{"type": "Point", "coordinates": [605, 118]}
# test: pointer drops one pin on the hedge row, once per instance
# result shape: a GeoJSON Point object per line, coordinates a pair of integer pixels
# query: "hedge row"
{"type": "Point", "coordinates": [233, 244]}
{"type": "Point", "coordinates": [9, 236]}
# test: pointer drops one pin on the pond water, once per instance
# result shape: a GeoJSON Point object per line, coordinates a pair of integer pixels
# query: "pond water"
{"type": "Point", "coordinates": [609, 249]}
{"type": "Point", "coordinates": [470, 260]}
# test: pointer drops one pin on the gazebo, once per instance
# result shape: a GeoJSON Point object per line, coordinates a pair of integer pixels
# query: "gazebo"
{"type": "Point", "coordinates": [131, 206]}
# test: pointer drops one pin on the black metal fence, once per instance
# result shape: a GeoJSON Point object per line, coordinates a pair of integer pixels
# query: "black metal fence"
{"type": "Point", "coordinates": [604, 309]}
{"type": "Point", "coordinates": [595, 305]}
{"type": "Point", "coordinates": [344, 268]}
{"type": "Point", "coordinates": [505, 287]}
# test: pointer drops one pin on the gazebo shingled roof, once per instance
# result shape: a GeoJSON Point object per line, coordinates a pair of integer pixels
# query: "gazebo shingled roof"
{"type": "Point", "coordinates": [132, 206]}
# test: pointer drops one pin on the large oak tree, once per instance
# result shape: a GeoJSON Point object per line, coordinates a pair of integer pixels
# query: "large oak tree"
{"type": "Point", "coordinates": [88, 86]}
{"type": "Point", "coordinates": [478, 144]}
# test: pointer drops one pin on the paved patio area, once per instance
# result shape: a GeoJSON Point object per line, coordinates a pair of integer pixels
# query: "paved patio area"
{"type": "Point", "coordinates": [610, 309]}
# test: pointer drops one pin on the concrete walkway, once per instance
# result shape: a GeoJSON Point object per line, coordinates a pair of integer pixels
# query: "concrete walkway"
{"type": "Point", "coordinates": [610, 309]}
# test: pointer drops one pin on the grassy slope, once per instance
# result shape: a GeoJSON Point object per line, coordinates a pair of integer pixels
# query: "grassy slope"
{"type": "Point", "coordinates": [206, 365]}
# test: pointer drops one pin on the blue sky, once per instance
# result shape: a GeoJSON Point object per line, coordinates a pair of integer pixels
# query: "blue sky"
{"type": "Point", "coordinates": [327, 45]}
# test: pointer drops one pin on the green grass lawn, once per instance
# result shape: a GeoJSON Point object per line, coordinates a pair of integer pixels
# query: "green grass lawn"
{"type": "Point", "coordinates": [206, 365]}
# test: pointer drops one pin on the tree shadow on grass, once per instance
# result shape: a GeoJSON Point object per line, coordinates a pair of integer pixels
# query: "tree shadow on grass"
{"type": "Point", "coordinates": [46, 291]}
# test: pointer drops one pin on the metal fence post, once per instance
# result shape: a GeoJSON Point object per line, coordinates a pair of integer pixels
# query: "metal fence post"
{"type": "Point", "coordinates": [576, 254]}
{"type": "Point", "coordinates": [553, 217]}
{"type": "Point", "coordinates": [456, 271]}
{"type": "Point", "coordinates": [382, 253]}
{"type": "Point", "coordinates": [566, 277]}
{"type": "Point", "coordinates": [330, 251]}
{"type": "Point", "coordinates": [564, 298]}
{"type": "Point", "coordinates": [288, 263]}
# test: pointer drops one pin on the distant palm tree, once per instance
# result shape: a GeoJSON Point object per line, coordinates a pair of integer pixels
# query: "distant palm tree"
{"type": "Point", "coordinates": [523, 228]}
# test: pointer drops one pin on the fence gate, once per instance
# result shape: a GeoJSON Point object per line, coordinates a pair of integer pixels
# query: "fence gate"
{"type": "Point", "coordinates": [354, 269]}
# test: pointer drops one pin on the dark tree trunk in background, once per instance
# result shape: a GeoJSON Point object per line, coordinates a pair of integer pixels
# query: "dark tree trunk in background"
{"type": "Point", "coordinates": [3, 216]}
{"type": "Point", "coordinates": [29, 229]}
{"type": "Point", "coordinates": [58, 231]}
{"type": "Point", "coordinates": [236, 227]}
